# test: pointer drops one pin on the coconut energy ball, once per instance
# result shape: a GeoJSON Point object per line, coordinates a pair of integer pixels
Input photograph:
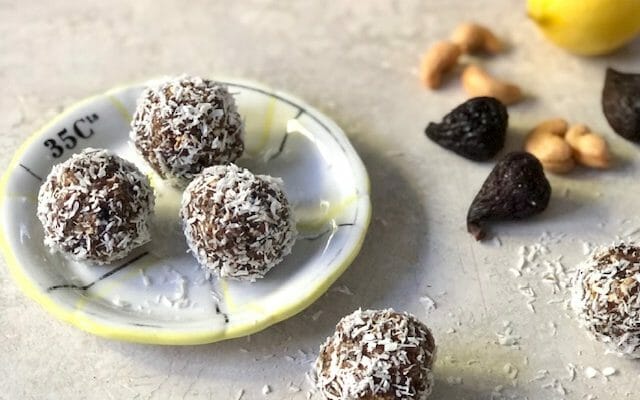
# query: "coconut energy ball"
{"type": "Point", "coordinates": [95, 207]}
{"type": "Point", "coordinates": [237, 224]}
{"type": "Point", "coordinates": [606, 297]}
{"type": "Point", "coordinates": [185, 125]}
{"type": "Point", "coordinates": [377, 354]}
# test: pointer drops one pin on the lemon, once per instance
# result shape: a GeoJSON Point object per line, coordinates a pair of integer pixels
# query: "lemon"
{"type": "Point", "coordinates": [587, 27]}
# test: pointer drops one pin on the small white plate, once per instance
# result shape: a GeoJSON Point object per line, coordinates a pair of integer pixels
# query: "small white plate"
{"type": "Point", "coordinates": [159, 294]}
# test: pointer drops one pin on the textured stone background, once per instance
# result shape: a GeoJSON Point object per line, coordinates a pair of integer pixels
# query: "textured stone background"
{"type": "Point", "coordinates": [356, 61]}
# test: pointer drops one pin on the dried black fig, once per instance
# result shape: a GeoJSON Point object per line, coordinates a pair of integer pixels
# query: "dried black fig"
{"type": "Point", "coordinates": [516, 188]}
{"type": "Point", "coordinates": [621, 103]}
{"type": "Point", "coordinates": [476, 129]}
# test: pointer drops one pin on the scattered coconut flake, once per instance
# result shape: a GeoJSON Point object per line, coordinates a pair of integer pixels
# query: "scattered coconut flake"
{"type": "Point", "coordinates": [540, 375]}
{"type": "Point", "coordinates": [240, 394]}
{"type": "Point", "coordinates": [473, 361]}
{"type": "Point", "coordinates": [383, 221]}
{"type": "Point", "coordinates": [507, 338]}
{"type": "Point", "coordinates": [608, 371]}
{"type": "Point", "coordinates": [293, 388]}
{"type": "Point", "coordinates": [316, 315]}
{"type": "Point", "coordinates": [428, 303]}
{"type": "Point", "coordinates": [120, 303]}
{"type": "Point", "coordinates": [145, 279]}
{"type": "Point", "coordinates": [515, 272]}
{"type": "Point", "coordinates": [342, 289]}
{"type": "Point", "coordinates": [165, 301]}
{"type": "Point", "coordinates": [555, 385]}
{"type": "Point", "coordinates": [266, 389]}
{"type": "Point", "coordinates": [553, 328]}
{"type": "Point", "coordinates": [590, 372]}
{"type": "Point", "coordinates": [572, 372]}
{"type": "Point", "coordinates": [451, 330]}
{"type": "Point", "coordinates": [510, 370]}
{"type": "Point", "coordinates": [454, 380]}
{"type": "Point", "coordinates": [24, 233]}
{"type": "Point", "coordinates": [527, 290]}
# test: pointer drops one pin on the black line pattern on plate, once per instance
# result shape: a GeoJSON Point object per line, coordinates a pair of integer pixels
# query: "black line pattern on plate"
{"type": "Point", "coordinates": [300, 111]}
{"type": "Point", "coordinates": [281, 147]}
{"type": "Point", "coordinates": [318, 236]}
{"type": "Point", "coordinates": [146, 325]}
{"type": "Point", "coordinates": [284, 139]}
{"type": "Point", "coordinates": [341, 249]}
{"type": "Point", "coordinates": [100, 278]}
{"type": "Point", "coordinates": [38, 177]}
{"type": "Point", "coordinates": [218, 311]}
{"type": "Point", "coordinates": [291, 103]}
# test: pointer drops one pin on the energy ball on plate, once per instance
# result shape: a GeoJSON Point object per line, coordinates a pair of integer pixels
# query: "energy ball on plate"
{"type": "Point", "coordinates": [95, 207]}
{"type": "Point", "coordinates": [377, 354]}
{"type": "Point", "coordinates": [606, 298]}
{"type": "Point", "coordinates": [185, 125]}
{"type": "Point", "coordinates": [238, 225]}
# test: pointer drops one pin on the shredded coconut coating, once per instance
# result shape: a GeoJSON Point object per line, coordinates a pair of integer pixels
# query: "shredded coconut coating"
{"type": "Point", "coordinates": [605, 297]}
{"type": "Point", "coordinates": [377, 354]}
{"type": "Point", "coordinates": [95, 207]}
{"type": "Point", "coordinates": [187, 124]}
{"type": "Point", "coordinates": [237, 224]}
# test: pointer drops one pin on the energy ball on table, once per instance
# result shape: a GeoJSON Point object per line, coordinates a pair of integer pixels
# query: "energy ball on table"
{"type": "Point", "coordinates": [238, 225]}
{"type": "Point", "coordinates": [377, 354]}
{"type": "Point", "coordinates": [185, 125]}
{"type": "Point", "coordinates": [95, 207]}
{"type": "Point", "coordinates": [606, 298]}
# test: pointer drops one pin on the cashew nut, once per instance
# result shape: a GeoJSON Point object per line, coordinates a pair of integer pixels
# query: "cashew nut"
{"type": "Point", "coordinates": [589, 149]}
{"type": "Point", "coordinates": [474, 38]}
{"type": "Point", "coordinates": [440, 59]}
{"type": "Point", "coordinates": [546, 142]}
{"type": "Point", "coordinates": [477, 82]}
